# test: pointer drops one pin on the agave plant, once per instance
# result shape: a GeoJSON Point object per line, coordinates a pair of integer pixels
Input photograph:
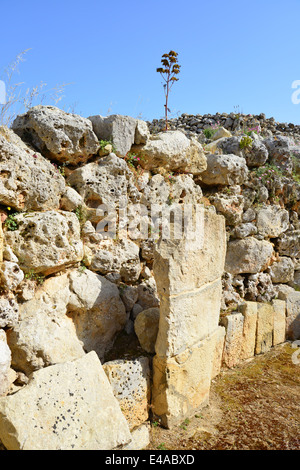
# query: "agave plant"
{"type": "Point", "coordinates": [168, 71]}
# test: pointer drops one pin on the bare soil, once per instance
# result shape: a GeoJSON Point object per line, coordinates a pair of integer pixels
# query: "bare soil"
{"type": "Point", "coordinates": [255, 406]}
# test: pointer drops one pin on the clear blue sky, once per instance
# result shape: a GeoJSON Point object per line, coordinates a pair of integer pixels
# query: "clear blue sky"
{"type": "Point", "coordinates": [232, 53]}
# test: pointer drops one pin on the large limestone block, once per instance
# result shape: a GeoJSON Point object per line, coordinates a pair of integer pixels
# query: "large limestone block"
{"type": "Point", "coordinates": [61, 136]}
{"type": "Point", "coordinates": [108, 181]}
{"type": "Point", "coordinates": [248, 255]}
{"type": "Point", "coordinates": [70, 314]}
{"type": "Point", "coordinates": [279, 307]}
{"type": "Point", "coordinates": [292, 299]}
{"type": "Point", "coordinates": [272, 221]}
{"type": "Point", "coordinates": [265, 326]}
{"type": "Point", "coordinates": [249, 311]}
{"type": "Point", "coordinates": [234, 325]}
{"type": "Point", "coordinates": [67, 406]}
{"type": "Point", "coordinates": [224, 170]}
{"type": "Point", "coordinates": [45, 242]}
{"type": "Point", "coordinates": [27, 180]}
{"type": "Point", "coordinates": [181, 384]}
{"type": "Point", "coordinates": [172, 151]}
{"type": "Point", "coordinates": [130, 381]}
{"type": "Point", "coordinates": [180, 267]}
{"type": "Point", "coordinates": [44, 334]}
{"type": "Point", "coordinates": [96, 309]}
{"type": "Point", "coordinates": [118, 129]}
{"type": "Point", "coordinates": [187, 318]}
{"type": "Point", "coordinates": [5, 362]}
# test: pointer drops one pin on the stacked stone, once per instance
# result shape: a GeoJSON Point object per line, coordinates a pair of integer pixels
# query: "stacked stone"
{"type": "Point", "coordinates": [234, 122]}
{"type": "Point", "coordinates": [69, 293]}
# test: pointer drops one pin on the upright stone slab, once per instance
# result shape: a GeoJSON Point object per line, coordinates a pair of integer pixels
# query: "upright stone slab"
{"type": "Point", "coordinates": [279, 321]}
{"type": "Point", "coordinates": [265, 325]}
{"type": "Point", "coordinates": [234, 325]}
{"type": "Point", "coordinates": [249, 311]}
{"type": "Point", "coordinates": [188, 279]}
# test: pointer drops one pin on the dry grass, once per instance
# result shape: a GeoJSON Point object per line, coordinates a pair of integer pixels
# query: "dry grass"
{"type": "Point", "coordinates": [254, 406]}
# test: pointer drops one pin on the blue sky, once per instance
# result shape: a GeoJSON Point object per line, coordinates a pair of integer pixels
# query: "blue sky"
{"type": "Point", "coordinates": [232, 54]}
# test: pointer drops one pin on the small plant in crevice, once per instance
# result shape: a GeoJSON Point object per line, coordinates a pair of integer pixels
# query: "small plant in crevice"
{"type": "Point", "coordinates": [32, 275]}
{"type": "Point", "coordinates": [132, 160]}
{"type": "Point", "coordinates": [11, 222]}
{"type": "Point", "coordinates": [245, 142]}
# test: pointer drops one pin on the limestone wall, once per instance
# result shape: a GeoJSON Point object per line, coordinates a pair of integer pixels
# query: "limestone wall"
{"type": "Point", "coordinates": [111, 308]}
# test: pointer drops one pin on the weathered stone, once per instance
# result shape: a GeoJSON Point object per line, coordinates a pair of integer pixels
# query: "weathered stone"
{"type": "Point", "coordinates": [244, 230]}
{"type": "Point", "coordinates": [265, 326]}
{"type": "Point", "coordinates": [272, 221]}
{"type": "Point", "coordinates": [224, 170]}
{"type": "Point", "coordinates": [5, 361]}
{"type": "Point", "coordinates": [60, 136]}
{"type": "Point", "coordinates": [146, 328]}
{"type": "Point", "coordinates": [130, 381]}
{"type": "Point", "coordinates": [129, 296]}
{"type": "Point", "coordinates": [187, 318]}
{"type": "Point", "coordinates": [28, 181]}
{"type": "Point", "coordinates": [142, 133]}
{"type": "Point", "coordinates": [96, 309]}
{"type": "Point", "coordinates": [11, 275]}
{"type": "Point", "coordinates": [147, 294]}
{"type": "Point", "coordinates": [9, 312]}
{"type": "Point", "coordinates": [292, 299]}
{"type": "Point", "coordinates": [193, 266]}
{"type": "Point", "coordinates": [234, 325]}
{"type": "Point", "coordinates": [249, 311]}
{"type": "Point", "coordinates": [78, 411]}
{"type": "Point", "coordinates": [118, 129]}
{"type": "Point", "coordinates": [174, 190]}
{"type": "Point", "coordinates": [71, 313]}
{"type": "Point", "coordinates": [70, 200]}
{"type": "Point", "coordinates": [45, 242]}
{"type": "Point", "coordinates": [140, 438]}
{"type": "Point", "coordinates": [288, 244]}
{"type": "Point", "coordinates": [282, 270]}
{"type": "Point", "coordinates": [259, 287]}
{"type": "Point", "coordinates": [108, 181]}
{"type": "Point", "coordinates": [45, 335]}
{"type": "Point", "coordinates": [257, 154]}
{"type": "Point", "coordinates": [117, 256]}
{"type": "Point", "coordinates": [181, 383]}
{"type": "Point", "coordinates": [231, 206]}
{"type": "Point", "coordinates": [279, 307]}
{"type": "Point", "coordinates": [248, 255]}
{"type": "Point", "coordinates": [173, 151]}
{"type": "Point", "coordinates": [280, 149]}
{"type": "Point", "coordinates": [220, 133]}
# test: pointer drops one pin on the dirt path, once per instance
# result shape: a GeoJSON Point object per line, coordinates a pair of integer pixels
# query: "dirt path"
{"type": "Point", "coordinates": [255, 406]}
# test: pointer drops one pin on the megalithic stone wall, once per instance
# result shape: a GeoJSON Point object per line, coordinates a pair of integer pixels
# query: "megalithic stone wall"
{"type": "Point", "coordinates": [189, 286]}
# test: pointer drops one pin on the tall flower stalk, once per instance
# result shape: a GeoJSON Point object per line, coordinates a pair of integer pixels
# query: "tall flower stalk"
{"type": "Point", "coordinates": [168, 71]}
